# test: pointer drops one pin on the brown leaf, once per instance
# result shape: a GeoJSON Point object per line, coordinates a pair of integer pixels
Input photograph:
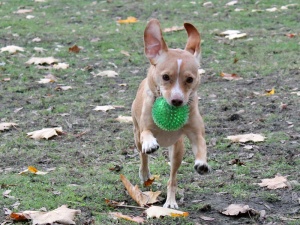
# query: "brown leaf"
{"type": "Point", "coordinates": [74, 49]}
{"type": "Point", "coordinates": [125, 53]}
{"type": "Point", "coordinates": [113, 203]}
{"type": "Point", "coordinates": [136, 219]}
{"type": "Point", "coordinates": [18, 217]}
{"type": "Point", "coordinates": [62, 215]}
{"type": "Point", "coordinates": [116, 168]}
{"type": "Point", "coordinates": [42, 61]}
{"type": "Point", "coordinates": [157, 212]}
{"type": "Point", "coordinates": [149, 182]}
{"type": "Point", "coordinates": [63, 88]}
{"type": "Point", "coordinates": [206, 218]}
{"type": "Point", "coordinates": [142, 198]}
{"type": "Point", "coordinates": [45, 133]}
{"type": "Point", "coordinates": [174, 28]}
{"type": "Point", "coordinates": [237, 209]}
{"type": "Point", "coordinates": [12, 49]}
{"type": "Point", "coordinates": [23, 11]}
{"type": "Point", "coordinates": [124, 119]}
{"type": "Point", "coordinates": [237, 162]}
{"type": "Point", "coordinates": [7, 126]}
{"type": "Point", "coordinates": [246, 137]}
{"type": "Point", "coordinates": [274, 183]}
{"type": "Point", "coordinates": [230, 76]}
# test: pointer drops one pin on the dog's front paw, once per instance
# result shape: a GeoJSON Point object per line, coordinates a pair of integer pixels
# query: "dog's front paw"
{"type": "Point", "coordinates": [171, 204]}
{"type": "Point", "coordinates": [150, 146]}
{"type": "Point", "coordinates": [201, 167]}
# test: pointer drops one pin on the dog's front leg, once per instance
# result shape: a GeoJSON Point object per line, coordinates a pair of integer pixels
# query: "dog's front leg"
{"type": "Point", "coordinates": [149, 143]}
{"type": "Point", "coordinates": [175, 154]}
{"type": "Point", "coordinates": [200, 152]}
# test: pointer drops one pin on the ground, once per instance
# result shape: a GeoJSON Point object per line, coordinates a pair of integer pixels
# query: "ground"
{"type": "Point", "coordinates": [93, 142]}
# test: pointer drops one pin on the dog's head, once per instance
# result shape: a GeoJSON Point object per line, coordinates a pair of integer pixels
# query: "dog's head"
{"type": "Point", "coordinates": [175, 72]}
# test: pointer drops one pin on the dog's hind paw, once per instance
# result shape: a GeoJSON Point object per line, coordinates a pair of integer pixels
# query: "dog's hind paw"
{"type": "Point", "coordinates": [201, 167]}
{"type": "Point", "coordinates": [149, 147]}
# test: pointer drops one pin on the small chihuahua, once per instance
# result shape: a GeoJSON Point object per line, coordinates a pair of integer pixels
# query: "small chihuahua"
{"type": "Point", "coordinates": [173, 74]}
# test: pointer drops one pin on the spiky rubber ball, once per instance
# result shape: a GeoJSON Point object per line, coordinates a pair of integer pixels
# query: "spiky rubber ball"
{"type": "Point", "coordinates": [168, 117]}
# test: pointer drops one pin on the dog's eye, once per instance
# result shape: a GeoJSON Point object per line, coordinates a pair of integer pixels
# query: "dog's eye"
{"type": "Point", "coordinates": [189, 80]}
{"type": "Point", "coordinates": [166, 77]}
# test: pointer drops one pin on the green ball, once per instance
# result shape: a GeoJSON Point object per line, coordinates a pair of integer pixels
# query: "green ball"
{"type": "Point", "coordinates": [168, 117]}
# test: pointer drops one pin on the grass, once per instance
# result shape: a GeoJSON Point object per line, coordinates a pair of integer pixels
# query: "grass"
{"type": "Point", "coordinates": [94, 142]}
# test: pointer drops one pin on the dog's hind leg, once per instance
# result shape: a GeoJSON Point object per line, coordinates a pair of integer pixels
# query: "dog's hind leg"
{"type": "Point", "coordinates": [176, 153]}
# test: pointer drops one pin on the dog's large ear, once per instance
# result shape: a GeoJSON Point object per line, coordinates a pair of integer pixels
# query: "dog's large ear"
{"type": "Point", "coordinates": [194, 40]}
{"type": "Point", "coordinates": [154, 42]}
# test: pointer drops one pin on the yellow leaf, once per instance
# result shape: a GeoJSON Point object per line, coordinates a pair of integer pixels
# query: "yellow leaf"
{"type": "Point", "coordinates": [32, 169]}
{"type": "Point", "coordinates": [132, 219]}
{"type": "Point", "coordinates": [270, 92]}
{"type": "Point", "coordinates": [129, 19]}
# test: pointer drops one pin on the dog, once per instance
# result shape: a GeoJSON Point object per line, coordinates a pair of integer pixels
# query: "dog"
{"type": "Point", "coordinates": [173, 74]}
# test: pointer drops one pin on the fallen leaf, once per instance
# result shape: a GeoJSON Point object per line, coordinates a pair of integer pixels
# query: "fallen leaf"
{"type": "Point", "coordinates": [208, 5]}
{"type": "Point", "coordinates": [125, 53]}
{"type": "Point", "coordinates": [296, 93]}
{"type": "Point", "coordinates": [63, 88]}
{"type": "Point", "coordinates": [233, 34]}
{"type": "Point", "coordinates": [290, 35]}
{"type": "Point", "coordinates": [7, 126]}
{"type": "Point", "coordinates": [142, 198]}
{"type": "Point", "coordinates": [136, 219]}
{"type": "Point", "coordinates": [37, 39]}
{"type": "Point", "coordinates": [39, 50]}
{"type": "Point", "coordinates": [129, 19]}
{"type": "Point", "coordinates": [274, 183]}
{"type": "Point", "coordinates": [157, 212]}
{"type": "Point", "coordinates": [61, 66]}
{"type": "Point", "coordinates": [30, 17]}
{"type": "Point", "coordinates": [104, 108]}
{"type": "Point", "coordinates": [274, 9]}
{"type": "Point", "coordinates": [61, 215]}
{"type": "Point", "coordinates": [23, 11]}
{"type": "Point", "coordinates": [230, 76]}
{"type": "Point", "coordinates": [172, 29]}
{"type": "Point", "coordinates": [236, 162]}
{"type": "Point", "coordinates": [18, 217]}
{"type": "Point", "coordinates": [270, 92]}
{"type": "Point", "coordinates": [125, 119]}
{"type": "Point", "coordinates": [45, 133]}
{"type": "Point", "coordinates": [116, 168]}
{"type": "Point", "coordinates": [12, 49]}
{"type": "Point", "coordinates": [149, 182]}
{"type": "Point", "coordinates": [237, 209]}
{"type": "Point", "coordinates": [74, 49]}
{"type": "Point", "coordinates": [231, 3]}
{"type": "Point", "coordinates": [45, 81]}
{"type": "Point", "coordinates": [107, 73]}
{"type": "Point", "coordinates": [206, 218]}
{"type": "Point", "coordinates": [42, 60]}
{"type": "Point", "coordinates": [6, 194]}
{"type": "Point", "coordinates": [33, 170]}
{"type": "Point", "coordinates": [246, 137]}
{"type": "Point", "coordinates": [113, 203]}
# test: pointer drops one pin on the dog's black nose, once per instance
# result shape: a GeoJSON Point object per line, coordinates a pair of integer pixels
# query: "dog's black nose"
{"type": "Point", "coordinates": [177, 102]}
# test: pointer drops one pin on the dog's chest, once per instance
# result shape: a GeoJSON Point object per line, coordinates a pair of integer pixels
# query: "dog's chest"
{"type": "Point", "coordinates": [167, 138]}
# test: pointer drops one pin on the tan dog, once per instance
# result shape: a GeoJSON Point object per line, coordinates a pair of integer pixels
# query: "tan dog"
{"type": "Point", "coordinates": [174, 75]}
